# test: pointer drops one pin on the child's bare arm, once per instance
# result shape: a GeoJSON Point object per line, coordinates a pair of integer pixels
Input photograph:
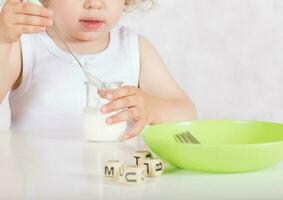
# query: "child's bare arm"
{"type": "Point", "coordinates": [158, 99]}
{"type": "Point", "coordinates": [10, 66]}
{"type": "Point", "coordinates": [17, 18]}
{"type": "Point", "coordinates": [170, 102]}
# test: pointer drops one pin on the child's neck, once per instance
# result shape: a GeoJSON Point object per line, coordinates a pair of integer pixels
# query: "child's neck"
{"type": "Point", "coordinates": [82, 47]}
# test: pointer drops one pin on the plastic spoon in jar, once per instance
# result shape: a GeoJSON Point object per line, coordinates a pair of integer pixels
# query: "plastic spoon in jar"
{"type": "Point", "coordinates": [90, 77]}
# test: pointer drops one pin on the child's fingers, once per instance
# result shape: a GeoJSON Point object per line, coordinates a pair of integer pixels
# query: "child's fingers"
{"type": "Point", "coordinates": [32, 9]}
{"type": "Point", "coordinates": [121, 92]}
{"type": "Point", "coordinates": [138, 127]}
{"type": "Point", "coordinates": [102, 93]}
{"type": "Point", "coordinates": [30, 29]}
{"type": "Point", "coordinates": [130, 113]}
{"type": "Point", "coordinates": [121, 103]}
{"type": "Point", "coordinates": [33, 20]}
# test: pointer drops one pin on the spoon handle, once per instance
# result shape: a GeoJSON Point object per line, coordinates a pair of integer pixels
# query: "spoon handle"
{"type": "Point", "coordinates": [90, 77]}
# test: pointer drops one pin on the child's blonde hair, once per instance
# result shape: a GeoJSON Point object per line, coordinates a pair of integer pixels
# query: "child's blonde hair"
{"type": "Point", "coordinates": [143, 5]}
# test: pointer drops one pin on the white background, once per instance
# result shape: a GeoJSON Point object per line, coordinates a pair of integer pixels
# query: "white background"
{"type": "Point", "coordinates": [226, 54]}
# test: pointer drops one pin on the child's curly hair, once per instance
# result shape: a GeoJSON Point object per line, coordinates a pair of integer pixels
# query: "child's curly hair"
{"type": "Point", "coordinates": [142, 5]}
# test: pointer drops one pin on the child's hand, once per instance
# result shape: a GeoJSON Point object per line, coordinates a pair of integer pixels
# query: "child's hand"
{"type": "Point", "coordinates": [17, 18]}
{"type": "Point", "coordinates": [136, 105]}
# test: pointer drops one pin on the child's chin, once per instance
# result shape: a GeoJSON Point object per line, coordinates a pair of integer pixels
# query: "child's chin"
{"type": "Point", "coordinates": [83, 36]}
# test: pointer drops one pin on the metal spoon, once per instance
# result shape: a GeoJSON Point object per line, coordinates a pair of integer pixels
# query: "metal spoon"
{"type": "Point", "coordinates": [90, 77]}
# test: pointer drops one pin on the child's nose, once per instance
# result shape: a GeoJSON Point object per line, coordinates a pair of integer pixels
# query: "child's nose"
{"type": "Point", "coordinates": [93, 4]}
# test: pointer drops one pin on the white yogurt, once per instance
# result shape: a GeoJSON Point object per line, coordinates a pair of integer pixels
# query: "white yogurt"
{"type": "Point", "coordinates": [96, 129]}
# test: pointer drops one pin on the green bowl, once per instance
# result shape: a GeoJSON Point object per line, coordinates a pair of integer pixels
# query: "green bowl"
{"type": "Point", "coordinates": [226, 146]}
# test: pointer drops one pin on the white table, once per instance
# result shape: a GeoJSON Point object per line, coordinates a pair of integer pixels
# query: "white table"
{"type": "Point", "coordinates": [57, 165]}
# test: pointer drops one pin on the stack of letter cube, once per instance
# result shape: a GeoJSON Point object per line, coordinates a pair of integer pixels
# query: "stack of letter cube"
{"type": "Point", "coordinates": [145, 165]}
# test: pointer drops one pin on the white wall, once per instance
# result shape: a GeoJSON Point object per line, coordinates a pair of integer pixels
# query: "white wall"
{"type": "Point", "coordinates": [225, 53]}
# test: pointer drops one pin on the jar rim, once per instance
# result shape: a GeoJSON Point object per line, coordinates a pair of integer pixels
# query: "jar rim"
{"type": "Point", "coordinates": [107, 84]}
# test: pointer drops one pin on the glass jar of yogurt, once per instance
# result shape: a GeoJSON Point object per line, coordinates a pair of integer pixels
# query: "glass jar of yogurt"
{"type": "Point", "coordinates": [95, 127]}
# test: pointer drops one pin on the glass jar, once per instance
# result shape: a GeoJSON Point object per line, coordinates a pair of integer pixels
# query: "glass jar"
{"type": "Point", "coordinates": [95, 127]}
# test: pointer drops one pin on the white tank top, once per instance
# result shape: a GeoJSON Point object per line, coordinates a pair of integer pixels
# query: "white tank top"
{"type": "Point", "coordinates": [52, 94]}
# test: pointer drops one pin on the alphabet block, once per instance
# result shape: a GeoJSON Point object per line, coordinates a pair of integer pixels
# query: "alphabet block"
{"type": "Point", "coordinates": [140, 156]}
{"type": "Point", "coordinates": [113, 169]}
{"type": "Point", "coordinates": [133, 175]}
{"type": "Point", "coordinates": [153, 167]}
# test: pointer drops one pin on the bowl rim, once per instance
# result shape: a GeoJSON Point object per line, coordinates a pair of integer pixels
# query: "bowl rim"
{"type": "Point", "coordinates": [215, 145]}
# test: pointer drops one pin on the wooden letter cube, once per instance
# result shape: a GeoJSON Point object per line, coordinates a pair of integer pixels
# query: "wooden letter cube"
{"type": "Point", "coordinates": [113, 169]}
{"type": "Point", "coordinates": [133, 175]}
{"type": "Point", "coordinates": [140, 156]}
{"type": "Point", "coordinates": [153, 167]}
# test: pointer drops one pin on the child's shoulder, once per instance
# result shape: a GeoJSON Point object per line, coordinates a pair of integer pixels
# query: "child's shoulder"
{"type": "Point", "coordinates": [129, 32]}
{"type": "Point", "coordinates": [125, 31]}
{"type": "Point", "coordinates": [145, 45]}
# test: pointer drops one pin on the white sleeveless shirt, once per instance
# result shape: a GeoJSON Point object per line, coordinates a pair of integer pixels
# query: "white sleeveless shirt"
{"type": "Point", "coordinates": [52, 94]}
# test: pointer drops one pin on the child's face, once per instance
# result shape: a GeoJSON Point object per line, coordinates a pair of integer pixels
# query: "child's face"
{"type": "Point", "coordinates": [86, 19]}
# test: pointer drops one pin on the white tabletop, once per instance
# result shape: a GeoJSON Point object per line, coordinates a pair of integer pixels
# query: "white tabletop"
{"type": "Point", "coordinates": [56, 165]}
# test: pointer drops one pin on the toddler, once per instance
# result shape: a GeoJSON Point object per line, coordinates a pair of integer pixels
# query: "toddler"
{"type": "Point", "coordinates": [47, 85]}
